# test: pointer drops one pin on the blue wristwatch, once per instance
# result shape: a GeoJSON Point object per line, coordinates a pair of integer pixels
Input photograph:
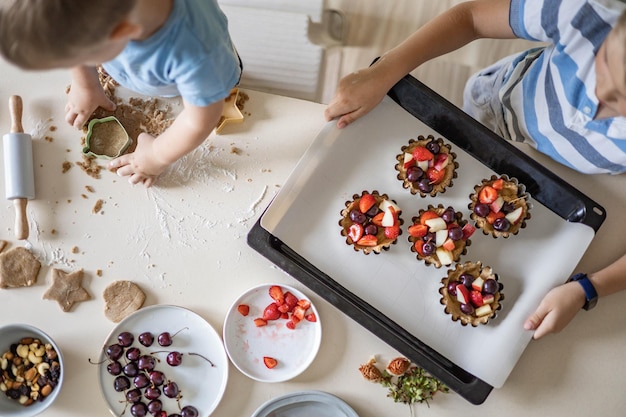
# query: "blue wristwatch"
{"type": "Point", "coordinates": [591, 294]}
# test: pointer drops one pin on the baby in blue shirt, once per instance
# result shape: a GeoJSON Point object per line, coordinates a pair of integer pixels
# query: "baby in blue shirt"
{"type": "Point", "coordinates": [154, 47]}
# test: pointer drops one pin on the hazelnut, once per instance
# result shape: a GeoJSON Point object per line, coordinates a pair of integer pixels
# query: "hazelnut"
{"type": "Point", "coordinates": [370, 371]}
{"type": "Point", "coordinates": [398, 366]}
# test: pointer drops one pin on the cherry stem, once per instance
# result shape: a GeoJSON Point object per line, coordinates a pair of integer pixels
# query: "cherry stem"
{"type": "Point", "coordinates": [184, 328]}
{"type": "Point", "coordinates": [203, 357]}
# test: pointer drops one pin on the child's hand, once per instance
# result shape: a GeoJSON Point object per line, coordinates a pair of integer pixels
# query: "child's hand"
{"type": "Point", "coordinates": [82, 101]}
{"type": "Point", "coordinates": [356, 95]}
{"type": "Point", "coordinates": [143, 165]}
{"type": "Point", "coordinates": [556, 309]}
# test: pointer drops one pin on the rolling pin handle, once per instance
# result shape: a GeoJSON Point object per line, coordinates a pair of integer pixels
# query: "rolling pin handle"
{"type": "Point", "coordinates": [21, 221]}
{"type": "Point", "coordinates": [15, 108]}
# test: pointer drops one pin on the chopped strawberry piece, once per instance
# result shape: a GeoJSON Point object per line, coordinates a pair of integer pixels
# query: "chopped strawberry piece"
{"type": "Point", "coordinates": [276, 292]}
{"type": "Point", "coordinates": [418, 230]}
{"type": "Point", "coordinates": [291, 325]}
{"type": "Point", "coordinates": [498, 184]}
{"type": "Point", "coordinates": [284, 308]}
{"type": "Point", "coordinates": [468, 230]}
{"type": "Point", "coordinates": [294, 320]}
{"type": "Point", "coordinates": [418, 246]}
{"type": "Point", "coordinates": [422, 154]}
{"type": "Point", "coordinates": [476, 298]}
{"type": "Point", "coordinates": [284, 316]}
{"type": "Point", "coordinates": [355, 232]}
{"type": "Point", "coordinates": [368, 240]}
{"type": "Point", "coordinates": [427, 215]}
{"type": "Point", "coordinates": [270, 362]}
{"type": "Point", "coordinates": [378, 219]}
{"type": "Point", "coordinates": [271, 312]}
{"type": "Point", "coordinates": [392, 232]}
{"type": "Point", "coordinates": [311, 317]}
{"type": "Point", "coordinates": [243, 309]}
{"type": "Point", "coordinates": [299, 312]}
{"type": "Point", "coordinates": [434, 175]}
{"type": "Point", "coordinates": [366, 202]}
{"type": "Point", "coordinates": [291, 301]}
{"type": "Point", "coordinates": [260, 322]}
{"type": "Point", "coordinates": [487, 195]}
{"type": "Point", "coordinates": [492, 216]}
{"type": "Point", "coordinates": [305, 304]}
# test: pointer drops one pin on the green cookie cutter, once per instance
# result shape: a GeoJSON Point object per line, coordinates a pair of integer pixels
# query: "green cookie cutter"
{"type": "Point", "coordinates": [98, 150]}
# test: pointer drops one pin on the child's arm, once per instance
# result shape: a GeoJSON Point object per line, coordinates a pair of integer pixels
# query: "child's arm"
{"type": "Point", "coordinates": [85, 96]}
{"type": "Point", "coordinates": [152, 155]}
{"type": "Point", "coordinates": [361, 91]}
{"type": "Point", "coordinates": [562, 303]}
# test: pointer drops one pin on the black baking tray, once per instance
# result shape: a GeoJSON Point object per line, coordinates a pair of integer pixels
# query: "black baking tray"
{"type": "Point", "coordinates": [488, 148]}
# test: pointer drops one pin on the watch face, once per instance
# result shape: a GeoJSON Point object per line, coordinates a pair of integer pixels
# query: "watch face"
{"type": "Point", "coordinates": [591, 303]}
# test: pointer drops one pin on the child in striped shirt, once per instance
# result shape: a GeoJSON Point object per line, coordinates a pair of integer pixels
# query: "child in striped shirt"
{"type": "Point", "coordinates": [567, 99]}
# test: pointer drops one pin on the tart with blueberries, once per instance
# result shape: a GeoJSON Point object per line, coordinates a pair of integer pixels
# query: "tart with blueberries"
{"type": "Point", "coordinates": [439, 235]}
{"type": "Point", "coordinates": [471, 293]}
{"type": "Point", "coordinates": [499, 206]}
{"type": "Point", "coordinates": [371, 222]}
{"type": "Point", "coordinates": [426, 166]}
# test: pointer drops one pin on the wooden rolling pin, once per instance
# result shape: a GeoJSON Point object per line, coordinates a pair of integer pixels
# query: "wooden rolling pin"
{"type": "Point", "coordinates": [19, 177]}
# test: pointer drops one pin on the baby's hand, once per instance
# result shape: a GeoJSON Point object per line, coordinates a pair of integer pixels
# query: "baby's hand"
{"type": "Point", "coordinates": [356, 95]}
{"type": "Point", "coordinates": [82, 101]}
{"type": "Point", "coordinates": [143, 165]}
{"type": "Point", "coordinates": [556, 309]}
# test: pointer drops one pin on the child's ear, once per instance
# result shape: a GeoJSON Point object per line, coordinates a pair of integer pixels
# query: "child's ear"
{"type": "Point", "coordinates": [125, 29]}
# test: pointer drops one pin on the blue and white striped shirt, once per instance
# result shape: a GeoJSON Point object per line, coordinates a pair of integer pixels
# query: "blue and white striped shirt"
{"type": "Point", "coordinates": [548, 96]}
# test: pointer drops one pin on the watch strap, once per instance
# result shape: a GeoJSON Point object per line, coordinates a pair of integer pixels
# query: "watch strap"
{"type": "Point", "coordinates": [591, 295]}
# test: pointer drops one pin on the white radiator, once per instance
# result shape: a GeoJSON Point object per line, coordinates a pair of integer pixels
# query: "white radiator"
{"type": "Point", "coordinates": [284, 47]}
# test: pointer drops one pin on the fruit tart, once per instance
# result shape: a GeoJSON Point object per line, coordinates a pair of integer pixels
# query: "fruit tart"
{"type": "Point", "coordinates": [499, 206]}
{"type": "Point", "coordinates": [439, 235]}
{"type": "Point", "coordinates": [370, 222]}
{"type": "Point", "coordinates": [426, 166]}
{"type": "Point", "coordinates": [471, 293]}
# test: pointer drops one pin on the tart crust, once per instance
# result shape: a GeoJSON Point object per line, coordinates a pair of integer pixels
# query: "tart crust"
{"type": "Point", "coordinates": [450, 168]}
{"type": "Point", "coordinates": [383, 242]}
{"type": "Point", "coordinates": [460, 246]}
{"type": "Point", "coordinates": [453, 307]}
{"type": "Point", "coordinates": [512, 191]}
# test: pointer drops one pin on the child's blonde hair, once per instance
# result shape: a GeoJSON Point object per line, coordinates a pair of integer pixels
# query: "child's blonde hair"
{"type": "Point", "coordinates": [34, 32]}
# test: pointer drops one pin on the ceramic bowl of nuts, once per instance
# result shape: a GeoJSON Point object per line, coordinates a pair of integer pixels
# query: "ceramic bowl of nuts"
{"type": "Point", "coordinates": [31, 371]}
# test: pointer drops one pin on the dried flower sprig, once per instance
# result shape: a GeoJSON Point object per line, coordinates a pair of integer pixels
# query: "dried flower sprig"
{"type": "Point", "coordinates": [406, 383]}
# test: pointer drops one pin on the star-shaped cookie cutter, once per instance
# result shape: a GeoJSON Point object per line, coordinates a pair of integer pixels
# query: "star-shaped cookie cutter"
{"type": "Point", "coordinates": [230, 113]}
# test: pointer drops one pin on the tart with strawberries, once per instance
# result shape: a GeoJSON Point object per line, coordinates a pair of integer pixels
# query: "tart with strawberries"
{"type": "Point", "coordinates": [439, 235]}
{"type": "Point", "coordinates": [371, 222]}
{"type": "Point", "coordinates": [426, 166]}
{"type": "Point", "coordinates": [499, 206]}
{"type": "Point", "coordinates": [471, 293]}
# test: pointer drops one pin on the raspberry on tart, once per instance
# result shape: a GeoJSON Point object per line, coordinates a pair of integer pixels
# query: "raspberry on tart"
{"type": "Point", "coordinates": [371, 222]}
{"type": "Point", "coordinates": [499, 206]}
{"type": "Point", "coordinates": [471, 293]}
{"type": "Point", "coordinates": [426, 166]}
{"type": "Point", "coordinates": [439, 235]}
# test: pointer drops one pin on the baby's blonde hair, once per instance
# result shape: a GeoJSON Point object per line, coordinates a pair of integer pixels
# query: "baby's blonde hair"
{"type": "Point", "coordinates": [35, 32]}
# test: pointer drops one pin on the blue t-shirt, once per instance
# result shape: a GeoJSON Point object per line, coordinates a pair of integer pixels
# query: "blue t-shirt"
{"type": "Point", "coordinates": [191, 55]}
{"type": "Point", "coordinates": [548, 96]}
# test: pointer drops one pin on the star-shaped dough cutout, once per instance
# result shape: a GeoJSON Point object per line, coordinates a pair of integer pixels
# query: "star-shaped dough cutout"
{"type": "Point", "coordinates": [67, 288]}
{"type": "Point", "coordinates": [230, 112]}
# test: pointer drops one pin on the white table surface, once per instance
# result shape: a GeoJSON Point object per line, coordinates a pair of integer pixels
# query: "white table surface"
{"type": "Point", "coordinates": [184, 242]}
